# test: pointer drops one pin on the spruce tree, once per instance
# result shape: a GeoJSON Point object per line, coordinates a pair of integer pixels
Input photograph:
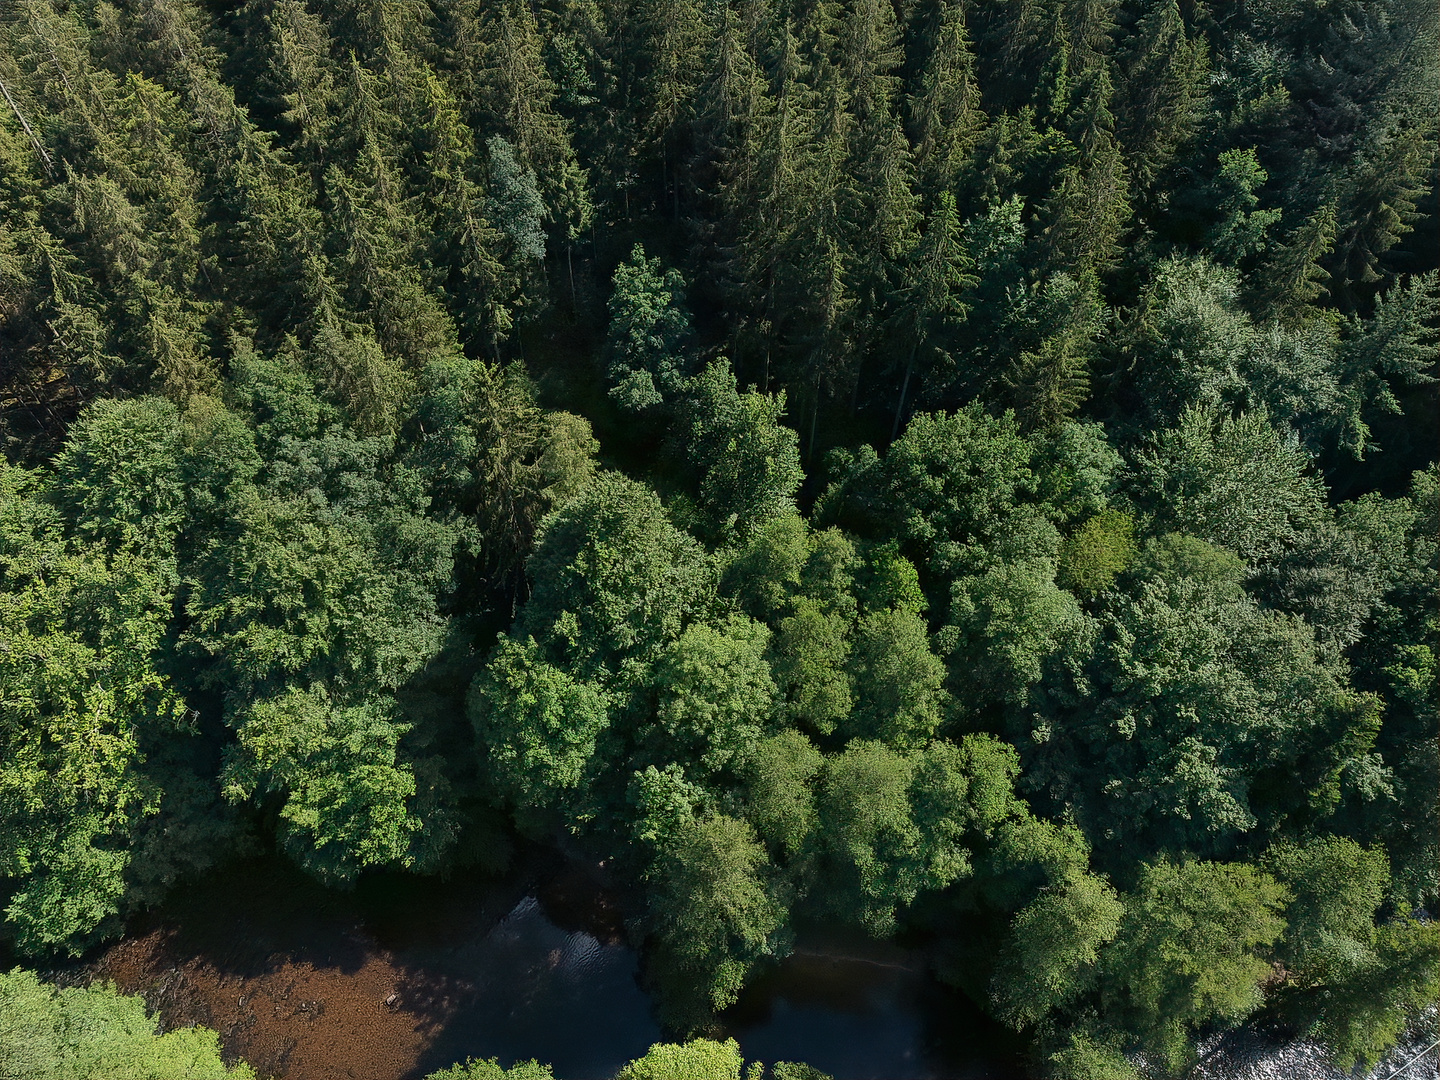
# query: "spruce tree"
{"type": "Point", "coordinates": [1162, 71]}
{"type": "Point", "coordinates": [944, 105]}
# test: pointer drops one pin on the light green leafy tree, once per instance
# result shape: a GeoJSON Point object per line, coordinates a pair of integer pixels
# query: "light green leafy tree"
{"type": "Point", "coordinates": [715, 693]}
{"type": "Point", "coordinates": [712, 911]}
{"type": "Point", "coordinates": [47, 1033]}
{"type": "Point", "coordinates": [747, 461]}
{"type": "Point", "coordinates": [1232, 480]}
{"type": "Point", "coordinates": [331, 771]}
{"type": "Point", "coordinates": [80, 690]}
{"type": "Point", "coordinates": [1005, 623]}
{"type": "Point", "coordinates": [614, 580]}
{"type": "Point", "coordinates": [779, 795]}
{"type": "Point", "coordinates": [649, 334]}
{"type": "Point", "coordinates": [536, 724]}
{"type": "Point", "coordinates": [1352, 983]}
{"type": "Point", "coordinates": [898, 680]}
{"type": "Point", "coordinates": [1190, 951]}
{"type": "Point", "coordinates": [699, 1059]}
{"type": "Point", "coordinates": [490, 1069]}
{"type": "Point", "coordinates": [1052, 951]}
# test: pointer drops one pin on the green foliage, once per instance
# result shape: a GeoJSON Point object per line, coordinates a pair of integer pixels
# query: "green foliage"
{"type": "Point", "coordinates": [711, 909]}
{"type": "Point", "coordinates": [1097, 553]}
{"type": "Point", "coordinates": [1336, 887]}
{"type": "Point", "coordinates": [811, 654]}
{"type": "Point", "coordinates": [536, 725]}
{"type": "Point", "coordinates": [1336, 952]}
{"type": "Point", "coordinates": [515, 205]}
{"type": "Point", "coordinates": [748, 462]}
{"type": "Point", "coordinates": [1368, 1010]}
{"type": "Point", "coordinates": [1242, 227]}
{"type": "Point", "coordinates": [1085, 1058]}
{"type": "Point", "coordinates": [1076, 469]}
{"type": "Point", "coordinates": [1054, 944]}
{"type": "Point", "coordinates": [796, 1070]}
{"type": "Point", "coordinates": [80, 695]}
{"type": "Point", "coordinates": [614, 580]}
{"type": "Point", "coordinates": [337, 578]}
{"type": "Point", "coordinates": [1234, 481]}
{"type": "Point", "coordinates": [699, 1059]}
{"type": "Point", "coordinates": [765, 572]}
{"type": "Point", "coordinates": [1173, 714]}
{"type": "Point", "coordinates": [492, 455]}
{"type": "Point", "coordinates": [648, 334]}
{"type": "Point", "coordinates": [715, 692]}
{"type": "Point", "coordinates": [894, 825]}
{"type": "Point", "coordinates": [1004, 624]}
{"type": "Point", "coordinates": [949, 490]}
{"type": "Point", "coordinates": [333, 771]}
{"type": "Point", "coordinates": [305, 315]}
{"type": "Point", "coordinates": [91, 1034]}
{"type": "Point", "coordinates": [867, 823]}
{"type": "Point", "coordinates": [779, 798]}
{"type": "Point", "coordinates": [1189, 951]}
{"type": "Point", "coordinates": [492, 1070]}
{"type": "Point", "coordinates": [120, 474]}
{"type": "Point", "coordinates": [897, 679]}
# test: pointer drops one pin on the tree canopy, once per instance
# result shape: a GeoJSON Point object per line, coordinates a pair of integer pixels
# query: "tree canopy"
{"type": "Point", "coordinates": [965, 471]}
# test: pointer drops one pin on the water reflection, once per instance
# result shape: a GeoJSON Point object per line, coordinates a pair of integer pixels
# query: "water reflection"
{"type": "Point", "coordinates": [407, 975]}
{"type": "Point", "coordinates": [858, 1010]}
{"type": "Point", "coordinates": [538, 991]}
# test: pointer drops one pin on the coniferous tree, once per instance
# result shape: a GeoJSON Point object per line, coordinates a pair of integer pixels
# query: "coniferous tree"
{"type": "Point", "coordinates": [1163, 68]}
{"type": "Point", "coordinates": [944, 106]}
{"type": "Point", "coordinates": [932, 288]}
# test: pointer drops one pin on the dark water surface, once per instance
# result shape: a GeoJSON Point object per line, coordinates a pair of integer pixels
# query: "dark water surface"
{"type": "Point", "coordinates": [408, 975]}
{"type": "Point", "coordinates": [555, 979]}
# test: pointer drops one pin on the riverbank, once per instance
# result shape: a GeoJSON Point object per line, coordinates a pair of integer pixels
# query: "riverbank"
{"type": "Point", "coordinates": [406, 975]}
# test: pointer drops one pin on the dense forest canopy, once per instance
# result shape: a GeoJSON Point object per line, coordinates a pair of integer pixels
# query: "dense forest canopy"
{"type": "Point", "coordinates": [962, 469]}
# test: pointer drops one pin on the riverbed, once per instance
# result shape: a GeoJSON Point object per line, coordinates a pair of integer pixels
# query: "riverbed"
{"type": "Point", "coordinates": [407, 975]}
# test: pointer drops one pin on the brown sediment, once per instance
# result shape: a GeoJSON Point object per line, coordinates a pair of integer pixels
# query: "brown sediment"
{"type": "Point", "coordinates": [302, 983]}
{"type": "Point", "coordinates": [299, 1018]}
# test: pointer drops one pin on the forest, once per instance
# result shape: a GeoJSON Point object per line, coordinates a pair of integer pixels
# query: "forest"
{"type": "Point", "coordinates": [965, 470]}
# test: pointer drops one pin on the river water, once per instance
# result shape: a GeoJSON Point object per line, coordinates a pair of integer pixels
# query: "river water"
{"type": "Point", "coordinates": [406, 975]}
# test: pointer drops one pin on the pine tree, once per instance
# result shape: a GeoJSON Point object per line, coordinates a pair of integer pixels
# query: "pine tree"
{"type": "Point", "coordinates": [667, 59]}
{"type": "Point", "coordinates": [1089, 26]}
{"type": "Point", "coordinates": [1052, 381]}
{"type": "Point", "coordinates": [881, 213]}
{"type": "Point", "coordinates": [1089, 207]}
{"type": "Point", "coordinates": [1160, 91]}
{"type": "Point", "coordinates": [518, 97]}
{"type": "Point", "coordinates": [300, 73]}
{"type": "Point", "coordinates": [1395, 347]}
{"type": "Point", "coordinates": [1294, 277]}
{"type": "Point", "coordinates": [1241, 230]}
{"type": "Point", "coordinates": [1379, 209]}
{"type": "Point", "coordinates": [461, 235]}
{"type": "Point", "coordinates": [763, 203]}
{"type": "Point", "coordinates": [731, 105]}
{"type": "Point", "coordinates": [1012, 47]}
{"type": "Point", "coordinates": [944, 110]}
{"type": "Point", "coordinates": [937, 275]}
{"type": "Point", "coordinates": [870, 52]}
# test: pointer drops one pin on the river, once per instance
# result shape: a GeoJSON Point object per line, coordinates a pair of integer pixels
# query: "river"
{"type": "Point", "coordinates": [406, 975]}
